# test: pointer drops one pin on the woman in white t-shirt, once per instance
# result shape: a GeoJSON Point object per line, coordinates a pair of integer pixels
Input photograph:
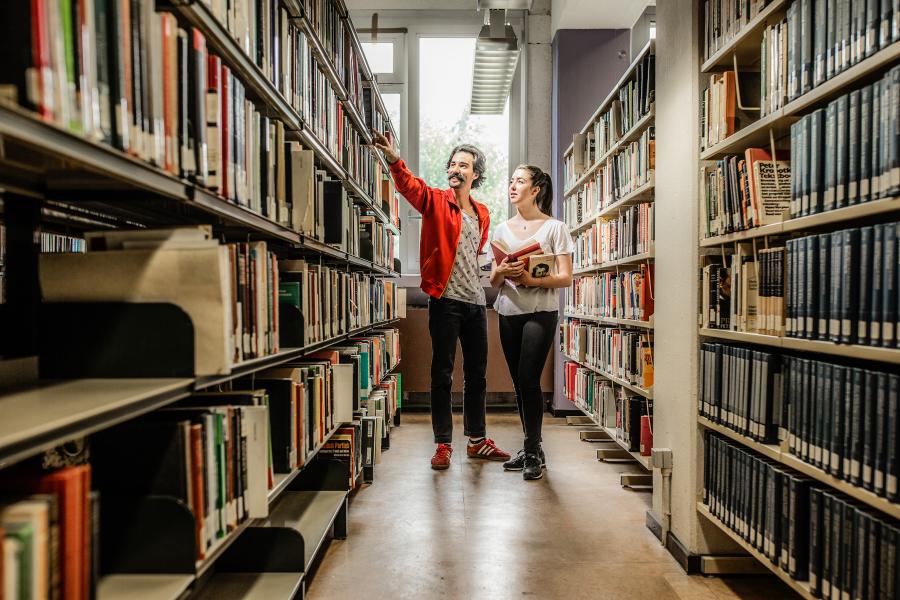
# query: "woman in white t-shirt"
{"type": "Point", "coordinates": [528, 302]}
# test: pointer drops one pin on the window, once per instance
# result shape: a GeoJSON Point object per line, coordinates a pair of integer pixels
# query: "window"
{"type": "Point", "coordinates": [391, 102]}
{"type": "Point", "coordinates": [445, 84]}
{"type": "Point", "coordinates": [380, 56]}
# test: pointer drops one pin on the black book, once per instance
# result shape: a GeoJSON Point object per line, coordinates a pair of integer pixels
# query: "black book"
{"type": "Point", "coordinates": [831, 37]}
{"type": "Point", "coordinates": [803, 165]}
{"type": "Point", "coordinates": [820, 35]}
{"type": "Point", "coordinates": [187, 156]}
{"type": "Point", "coordinates": [876, 295]}
{"type": "Point", "coordinates": [873, 21]}
{"type": "Point", "coordinates": [849, 291]}
{"type": "Point", "coordinates": [102, 64]}
{"type": "Point", "coordinates": [860, 553]}
{"type": "Point", "coordinates": [848, 549]}
{"type": "Point", "coordinates": [837, 255]}
{"type": "Point", "coordinates": [824, 278]}
{"type": "Point", "coordinates": [889, 288]}
{"type": "Point", "coordinates": [892, 438]}
{"type": "Point", "coordinates": [865, 144]}
{"type": "Point", "coordinates": [845, 14]}
{"type": "Point", "coordinates": [885, 137]}
{"type": "Point", "coordinates": [863, 284]}
{"type": "Point", "coordinates": [826, 537]}
{"type": "Point", "coordinates": [875, 143]}
{"type": "Point", "coordinates": [830, 156]}
{"type": "Point", "coordinates": [876, 430]}
{"type": "Point", "coordinates": [197, 103]}
{"type": "Point", "coordinates": [887, 26]}
{"type": "Point", "coordinates": [854, 153]}
{"type": "Point", "coordinates": [893, 122]}
{"type": "Point", "coordinates": [866, 427]}
{"type": "Point", "coordinates": [834, 551]}
{"type": "Point", "coordinates": [785, 562]}
{"type": "Point", "coordinates": [839, 389]}
{"type": "Point", "coordinates": [337, 215]}
{"type": "Point", "coordinates": [858, 46]}
{"type": "Point", "coordinates": [814, 569]}
{"type": "Point", "coordinates": [873, 558]}
{"type": "Point", "coordinates": [842, 152]}
{"type": "Point", "coordinates": [815, 163]}
{"type": "Point", "coordinates": [813, 285]}
{"type": "Point", "coordinates": [137, 93]}
{"type": "Point", "coordinates": [827, 414]}
{"type": "Point", "coordinates": [806, 58]}
{"type": "Point", "coordinates": [853, 442]}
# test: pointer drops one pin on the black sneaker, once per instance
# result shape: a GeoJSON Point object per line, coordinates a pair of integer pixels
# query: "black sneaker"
{"type": "Point", "coordinates": [532, 468]}
{"type": "Point", "coordinates": [517, 462]}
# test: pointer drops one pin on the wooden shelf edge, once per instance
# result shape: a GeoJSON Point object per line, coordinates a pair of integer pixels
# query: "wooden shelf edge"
{"type": "Point", "coordinates": [611, 320]}
{"type": "Point", "coordinates": [628, 260]}
{"type": "Point", "coordinates": [644, 461]}
{"type": "Point", "coordinates": [801, 587]}
{"type": "Point", "coordinates": [787, 459]}
{"type": "Point", "coordinates": [737, 140]}
{"type": "Point", "coordinates": [830, 217]}
{"type": "Point", "coordinates": [874, 353]}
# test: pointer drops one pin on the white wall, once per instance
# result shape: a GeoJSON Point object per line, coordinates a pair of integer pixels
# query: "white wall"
{"type": "Point", "coordinates": [676, 294]}
{"type": "Point", "coordinates": [595, 14]}
{"type": "Point", "coordinates": [538, 84]}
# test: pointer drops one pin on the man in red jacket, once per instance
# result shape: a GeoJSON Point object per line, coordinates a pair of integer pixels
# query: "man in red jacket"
{"type": "Point", "coordinates": [454, 230]}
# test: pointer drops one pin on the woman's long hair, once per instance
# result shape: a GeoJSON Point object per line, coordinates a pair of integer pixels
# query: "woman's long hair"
{"type": "Point", "coordinates": [542, 180]}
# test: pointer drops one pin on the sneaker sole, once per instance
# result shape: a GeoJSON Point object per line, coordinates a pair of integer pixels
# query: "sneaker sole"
{"type": "Point", "coordinates": [543, 466]}
{"type": "Point", "coordinates": [440, 467]}
{"type": "Point", "coordinates": [497, 459]}
{"type": "Point", "coordinates": [534, 478]}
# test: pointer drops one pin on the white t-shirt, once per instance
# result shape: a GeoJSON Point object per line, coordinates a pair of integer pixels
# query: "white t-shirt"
{"type": "Point", "coordinates": [554, 238]}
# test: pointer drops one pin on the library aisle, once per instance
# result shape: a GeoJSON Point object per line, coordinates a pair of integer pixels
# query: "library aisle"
{"type": "Point", "coordinates": [476, 531]}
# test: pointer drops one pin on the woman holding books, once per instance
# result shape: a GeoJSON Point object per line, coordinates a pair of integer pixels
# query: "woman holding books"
{"type": "Point", "coordinates": [532, 261]}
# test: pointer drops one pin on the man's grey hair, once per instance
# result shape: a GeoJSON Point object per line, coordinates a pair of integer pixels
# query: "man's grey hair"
{"type": "Point", "coordinates": [478, 163]}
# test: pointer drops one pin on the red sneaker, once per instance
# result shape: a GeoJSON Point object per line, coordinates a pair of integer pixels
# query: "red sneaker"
{"type": "Point", "coordinates": [441, 458]}
{"type": "Point", "coordinates": [486, 449]}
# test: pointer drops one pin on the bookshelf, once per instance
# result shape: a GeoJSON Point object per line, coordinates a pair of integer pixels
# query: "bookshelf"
{"type": "Point", "coordinates": [862, 65]}
{"type": "Point", "coordinates": [599, 194]}
{"type": "Point", "coordinates": [300, 87]}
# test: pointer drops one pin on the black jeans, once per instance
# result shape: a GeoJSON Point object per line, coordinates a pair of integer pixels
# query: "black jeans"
{"type": "Point", "coordinates": [526, 340]}
{"type": "Point", "coordinates": [449, 320]}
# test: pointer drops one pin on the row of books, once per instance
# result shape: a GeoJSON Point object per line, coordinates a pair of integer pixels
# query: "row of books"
{"type": "Point", "coordinates": [629, 417]}
{"type": "Point", "coordinates": [742, 192]}
{"type": "Point", "coordinates": [633, 166]}
{"type": "Point", "coordinates": [232, 297]}
{"type": "Point", "coordinates": [49, 524]}
{"type": "Point", "coordinates": [727, 104]}
{"type": "Point", "coordinates": [632, 102]}
{"type": "Point", "coordinates": [747, 292]}
{"type": "Point", "coordinates": [629, 234]}
{"type": "Point", "coordinates": [622, 353]}
{"type": "Point", "coordinates": [842, 286]}
{"type": "Point", "coordinates": [57, 242]}
{"type": "Point", "coordinates": [812, 533]}
{"type": "Point", "coordinates": [836, 417]}
{"type": "Point", "coordinates": [154, 91]}
{"type": "Point", "coordinates": [849, 152]}
{"type": "Point", "coordinates": [724, 19]}
{"type": "Point", "coordinates": [776, 79]}
{"type": "Point", "coordinates": [828, 37]}
{"type": "Point", "coordinates": [333, 302]}
{"type": "Point", "coordinates": [622, 295]}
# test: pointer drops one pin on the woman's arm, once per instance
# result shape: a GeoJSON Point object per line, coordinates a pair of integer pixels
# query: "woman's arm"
{"type": "Point", "coordinates": [562, 278]}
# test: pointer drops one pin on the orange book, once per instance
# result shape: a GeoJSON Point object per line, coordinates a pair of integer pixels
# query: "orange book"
{"type": "Point", "coordinates": [71, 486]}
{"type": "Point", "coordinates": [199, 499]}
{"type": "Point", "coordinates": [331, 356]}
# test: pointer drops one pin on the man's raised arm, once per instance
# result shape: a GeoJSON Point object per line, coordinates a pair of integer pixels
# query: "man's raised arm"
{"type": "Point", "coordinates": [413, 188]}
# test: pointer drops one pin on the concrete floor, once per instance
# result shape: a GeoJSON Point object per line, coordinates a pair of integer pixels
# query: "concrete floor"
{"type": "Point", "coordinates": [475, 531]}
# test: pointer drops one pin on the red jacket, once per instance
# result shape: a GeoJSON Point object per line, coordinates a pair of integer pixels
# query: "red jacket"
{"type": "Point", "coordinates": [441, 226]}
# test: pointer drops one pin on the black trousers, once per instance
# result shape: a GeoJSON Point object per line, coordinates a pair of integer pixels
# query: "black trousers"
{"type": "Point", "coordinates": [449, 320]}
{"type": "Point", "coordinates": [526, 340]}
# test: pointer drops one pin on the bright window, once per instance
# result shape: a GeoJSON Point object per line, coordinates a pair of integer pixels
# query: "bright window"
{"type": "Point", "coordinates": [380, 56]}
{"type": "Point", "coordinates": [445, 85]}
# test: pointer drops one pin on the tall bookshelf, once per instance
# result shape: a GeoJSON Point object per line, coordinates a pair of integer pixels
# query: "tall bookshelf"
{"type": "Point", "coordinates": [787, 428]}
{"type": "Point", "coordinates": [606, 337]}
{"type": "Point", "coordinates": [301, 68]}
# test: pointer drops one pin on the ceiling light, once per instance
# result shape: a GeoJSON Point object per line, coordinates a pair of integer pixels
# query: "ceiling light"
{"type": "Point", "coordinates": [496, 56]}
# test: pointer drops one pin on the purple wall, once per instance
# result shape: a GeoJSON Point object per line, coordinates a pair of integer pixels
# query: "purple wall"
{"type": "Point", "coordinates": [586, 64]}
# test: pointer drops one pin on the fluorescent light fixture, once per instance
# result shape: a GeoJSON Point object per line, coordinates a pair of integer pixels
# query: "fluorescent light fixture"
{"type": "Point", "coordinates": [496, 56]}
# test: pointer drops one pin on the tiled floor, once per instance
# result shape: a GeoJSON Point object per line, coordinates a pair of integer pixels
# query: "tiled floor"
{"type": "Point", "coordinates": [475, 531]}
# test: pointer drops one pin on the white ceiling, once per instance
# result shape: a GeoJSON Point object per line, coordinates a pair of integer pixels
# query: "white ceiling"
{"type": "Point", "coordinates": [564, 14]}
{"type": "Point", "coordinates": [595, 14]}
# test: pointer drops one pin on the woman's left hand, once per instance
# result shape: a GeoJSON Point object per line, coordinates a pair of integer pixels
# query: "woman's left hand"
{"type": "Point", "coordinates": [526, 279]}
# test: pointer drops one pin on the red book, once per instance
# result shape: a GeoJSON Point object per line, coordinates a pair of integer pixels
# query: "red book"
{"type": "Point", "coordinates": [214, 120]}
{"type": "Point", "coordinates": [199, 499]}
{"type": "Point", "coordinates": [225, 133]}
{"type": "Point", "coordinates": [71, 486]}
{"type": "Point", "coordinates": [502, 251]}
{"type": "Point", "coordinates": [170, 90]}
{"type": "Point", "coordinates": [40, 54]}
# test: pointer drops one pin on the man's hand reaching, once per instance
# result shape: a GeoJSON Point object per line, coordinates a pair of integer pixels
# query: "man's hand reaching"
{"type": "Point", "coordinates": [386, 147]}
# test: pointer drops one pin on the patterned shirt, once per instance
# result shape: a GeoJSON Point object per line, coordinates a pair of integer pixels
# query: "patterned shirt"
{"type": "Point", "coordinates": [464, 284]}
